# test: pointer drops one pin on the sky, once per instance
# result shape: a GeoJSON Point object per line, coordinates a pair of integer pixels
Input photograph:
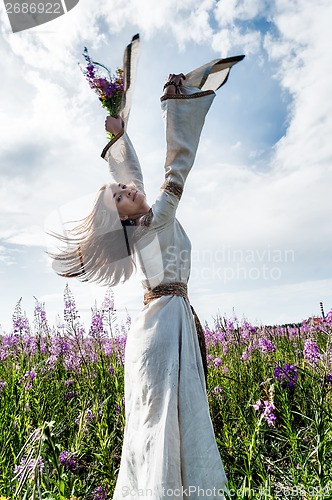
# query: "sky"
{"type": "Point", "coordinates": [257, 204]}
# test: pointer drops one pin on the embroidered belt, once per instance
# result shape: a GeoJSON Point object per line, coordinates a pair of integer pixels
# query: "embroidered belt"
{"type": "Point", "coordinates": [174, 288]}
{"type": "Point", "coordinates": [180, 289]}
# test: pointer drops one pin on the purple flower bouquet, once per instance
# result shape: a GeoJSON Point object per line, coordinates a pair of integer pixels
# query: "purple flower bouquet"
{"type": "Point", "coordinates": [109, 88]}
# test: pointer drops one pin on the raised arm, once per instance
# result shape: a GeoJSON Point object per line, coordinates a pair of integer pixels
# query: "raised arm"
{"type": "Point", "coordinates": [185, 103]}
{"type": "Point", "coordinates": [121, 155]}
{"type": "Point", "coordinates": [184, 113]}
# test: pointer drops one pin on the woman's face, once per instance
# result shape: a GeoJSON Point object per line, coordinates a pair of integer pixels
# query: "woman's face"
{"type": "Point", "coordinates": [129, 201]}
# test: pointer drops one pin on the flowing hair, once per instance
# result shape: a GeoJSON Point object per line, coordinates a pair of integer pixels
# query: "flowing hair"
{"type": "Point", "coordinates": [99, 249]}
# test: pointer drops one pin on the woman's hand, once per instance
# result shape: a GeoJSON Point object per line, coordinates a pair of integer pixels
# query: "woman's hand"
{"type": "Point", "coordinates": [173, 82]}
{"type": "Point", "coordinates": [114, 125]}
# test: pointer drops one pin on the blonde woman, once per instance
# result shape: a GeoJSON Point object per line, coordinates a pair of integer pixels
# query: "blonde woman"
{"type": "Point", "coordinates": [169, 448]}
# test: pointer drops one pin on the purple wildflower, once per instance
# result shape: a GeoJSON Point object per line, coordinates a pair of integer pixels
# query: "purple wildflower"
{"type": "Point", "coordinates": [109, 90]}
{"type": "Point", "coordinates": [85, 418]}
{"type": "Point", "coordinates": [51, 362]}
{"type": "Point", "coordinates": [217, 362]}
{"type": "Point", "coordinates": [39, 312]}
{"type": "Point", "coordinates": [100, 493]}
{"type": "Point", "coordinates": [28, 379]}
{"type": "Point", "coordinates": [70, 311]}
{"type": "Point", "coordinates": [311, 352]}
{"type": "Point", "coordinates": [33, 466]}
{"type": "Point", "coordinates": [2, 385]}
{"type": "Point", "coordinates": [244, 356]}
{"type": "Point", "coordinates": [108, 302]}
{"type": "Point", "coordinates": [287, 375]}
{"type": "Point", "coordinates": [72, 362]}
{"type": "Point", "coordinates": [97, 327]}
{"type": "Point", "coordinates": [68, 461]}
{"type": "Point", "coordinates": [69, 395]}
{"type": "Point", "coordinates": [20, 321]}
{"type": "Point", "coordinates": [258, 405]}
{"type": "Point", "coordinates": [267, 414]}
{"type": "Point", "coordinates": [266, 346]}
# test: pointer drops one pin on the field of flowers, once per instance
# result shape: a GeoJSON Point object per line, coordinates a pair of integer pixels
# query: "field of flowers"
{"type": "Point", "coordinates": [62, 405]}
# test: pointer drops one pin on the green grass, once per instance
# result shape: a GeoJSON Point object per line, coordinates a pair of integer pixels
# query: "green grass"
{"type": "Point", "coordinates": [61, 390]}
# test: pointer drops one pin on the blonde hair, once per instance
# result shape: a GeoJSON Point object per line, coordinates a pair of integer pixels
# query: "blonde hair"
{"type": "Point", "coordinates": [97, 248]}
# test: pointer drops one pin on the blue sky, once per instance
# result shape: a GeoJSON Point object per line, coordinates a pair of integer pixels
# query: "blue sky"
{"type": "Point", "coordinates": [257, 204]}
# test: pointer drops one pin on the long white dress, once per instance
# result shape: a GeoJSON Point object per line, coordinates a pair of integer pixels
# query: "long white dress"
{"type": "Point", "coordinates": [169, 447]}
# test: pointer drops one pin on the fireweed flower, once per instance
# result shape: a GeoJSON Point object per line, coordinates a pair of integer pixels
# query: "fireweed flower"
{"type": "Point", "coordinates": [287, 375]}
{"type": "Point", "coordinates": [97, 326]}
{"type": "Point", "coordinates": [28, 379]}
{"type": "Point", "coordinates": [217, 362]}
{"type": "Point", "coordinates": [2, 385]}
{"type": "Point", "coordinates": [100, 493]}
{"type": "Point", "coordinates": [32, 466]}
{"type": "Point", "coordinates": [108, 346]}
{"type": "Point", "coordinates": [208, 334]}
{"type": "Point", "coordinates": [21, 324]}
{"type": "Point", "coordinates": [40, 312]}
{"type": "Point", "coordinates": [70, 312]}
{"type": "Point", "coordinates": [40, 321]}
{"type": "Point", "coordinates": [265, 346]}
{"type": "Point", "coordinates": [244, 356]}
{"type": "Point", "coordinates": [69, 395]}
{"type": "Point", "coordinates": [258, 405]}
{"type": "Point", "coordinates": [311, 352]}
{"type": "Point", "coordinates": [85, 418]}
{"type": "Point", "coordinates": [51, 362]}
{"type": "Point", "coordinates": [108, 302]}
{"type": "Point", "coordinates": [68, 461]}
{"type": "Point", "coordinates": [72, 363]}
{"type": "Point", "coordinates": [217, 390]}
{"type": "Point", "coordinates": [267, 414]}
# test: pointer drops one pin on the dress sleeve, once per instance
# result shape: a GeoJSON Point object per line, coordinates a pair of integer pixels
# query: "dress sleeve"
{"type": "Point", "coordinates": [184, 115]}
{"type": "Point", "coordinates": [123, 162]}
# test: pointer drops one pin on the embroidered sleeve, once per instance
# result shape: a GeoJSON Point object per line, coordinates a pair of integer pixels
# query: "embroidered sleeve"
{"type": "Point", "coordinates": [186, 96]}
{"type": "Point", "coordinates": [172, 187]}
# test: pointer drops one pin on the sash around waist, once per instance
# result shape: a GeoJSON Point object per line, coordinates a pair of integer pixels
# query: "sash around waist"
{"type": "Point", "coordinates": [174, 288]}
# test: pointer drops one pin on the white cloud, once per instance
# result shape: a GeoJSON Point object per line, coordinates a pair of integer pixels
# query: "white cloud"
{"type": "Point", "coordinates": [54, 128]}
{"type": "Point", "coordinates": [227, 12]}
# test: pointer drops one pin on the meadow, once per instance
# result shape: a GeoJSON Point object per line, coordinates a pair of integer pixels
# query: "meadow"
{"type": "Point", "coordinates": [62, 405]}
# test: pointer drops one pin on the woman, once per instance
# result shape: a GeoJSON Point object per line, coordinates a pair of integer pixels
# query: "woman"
{"type": "Point", "coordinates": [169, 448]}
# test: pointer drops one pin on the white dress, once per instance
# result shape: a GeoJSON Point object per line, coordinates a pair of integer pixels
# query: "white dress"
{"type": "Point", "coordinates": [169, 447]}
